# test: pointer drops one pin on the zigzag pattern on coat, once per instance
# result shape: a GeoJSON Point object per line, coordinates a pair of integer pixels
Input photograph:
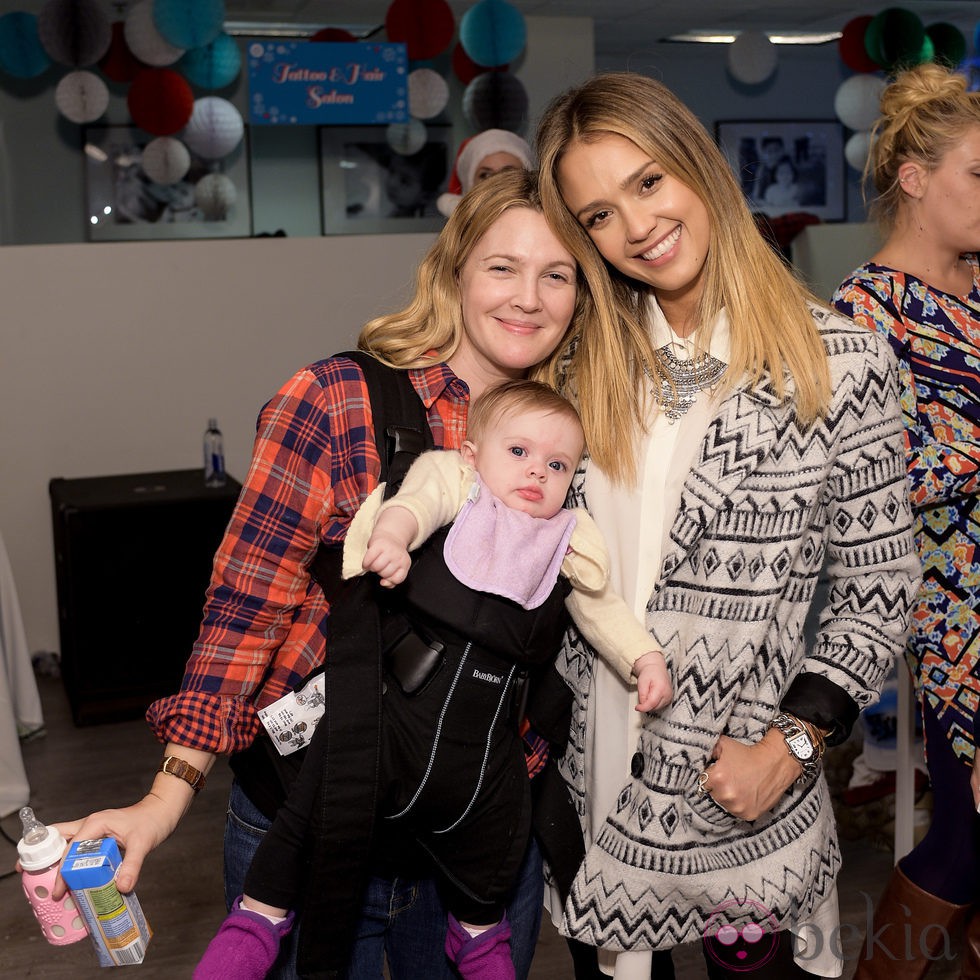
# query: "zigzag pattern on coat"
{"type": "Point", "coordinates": [768, 504]}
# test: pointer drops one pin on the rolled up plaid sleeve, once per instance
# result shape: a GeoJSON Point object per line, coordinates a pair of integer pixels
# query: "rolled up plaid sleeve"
{"type": "Point", "coordinates": [313, 462]}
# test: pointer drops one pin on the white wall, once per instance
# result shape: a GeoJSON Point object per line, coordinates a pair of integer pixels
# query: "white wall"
{"type": "Point", "coordinates": [827, 254]}
{"type": "Point", "coordinates": [114, 355]}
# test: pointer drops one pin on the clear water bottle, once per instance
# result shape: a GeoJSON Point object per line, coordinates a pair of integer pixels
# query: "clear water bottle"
{"type": "Point", "coordinates": [40, 850]}
{"type": "Point", "coordinates": [214, 456]}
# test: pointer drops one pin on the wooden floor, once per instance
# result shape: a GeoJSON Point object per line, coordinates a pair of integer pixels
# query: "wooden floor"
{"type": "Point", "coordinates": [73, 771]}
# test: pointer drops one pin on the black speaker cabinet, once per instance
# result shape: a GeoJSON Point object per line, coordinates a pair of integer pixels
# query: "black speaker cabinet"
{"type": "Point", "coordinates": [133, 559]}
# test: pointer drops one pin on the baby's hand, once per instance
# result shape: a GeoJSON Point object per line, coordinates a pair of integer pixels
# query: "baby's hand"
{"type": "Point", "coordinates": [388, 558]}
{"type": "Point", "coordinates": [652, 681]}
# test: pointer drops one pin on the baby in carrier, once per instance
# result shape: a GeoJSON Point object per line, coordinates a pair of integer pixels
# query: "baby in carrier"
{"type": "Point", "coordinates": [482, 561]}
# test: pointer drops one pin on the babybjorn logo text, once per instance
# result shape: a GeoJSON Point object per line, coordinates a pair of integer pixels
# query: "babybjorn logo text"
{"type": "Point", "coordinates": [483, 675]}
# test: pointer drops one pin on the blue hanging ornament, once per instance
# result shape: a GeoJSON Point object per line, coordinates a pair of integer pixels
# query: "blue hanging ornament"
{"type": "Point", "coordinates": [493, 33]}
{"type": "Point", "coordinates": [21, 52]}
{"type": "Point", "coordinates": [214, 65]}
{"type": "Point", "coordinates": [189, 23]}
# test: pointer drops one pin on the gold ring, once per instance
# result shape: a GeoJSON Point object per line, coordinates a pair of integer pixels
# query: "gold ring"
{"type": "Point", "coordinates": [703, 782]}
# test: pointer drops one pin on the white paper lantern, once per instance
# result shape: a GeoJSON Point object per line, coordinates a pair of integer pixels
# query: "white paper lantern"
{"type": "Point", "coordinates": [857, 148]}
{"type": "Point", "coordinates": [145, 41]}
{"type": "Point", "coordinates": [856, 102]}
{"type": "Point", "coordinates": [81, 96]}
{"type": "Point", "coordinates": [215, 195]}
{"type": "Point", "coordinates": [428, 93]}
{"type": "Point", "coordinates": [216, 127]}
{"type": "Point", "coordinates": [751, 57]}
{"type": "Point", "coordinates": [166, 160]}
{"type": "Point", "coordinates": [406, 138]}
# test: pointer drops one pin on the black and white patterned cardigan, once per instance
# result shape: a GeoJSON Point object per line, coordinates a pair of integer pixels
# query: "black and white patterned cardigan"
{"type": "Point", "coordinates": [765, 507]}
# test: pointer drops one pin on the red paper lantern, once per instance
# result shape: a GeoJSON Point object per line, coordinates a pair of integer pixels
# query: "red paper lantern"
{"type": "Point", "coordinates": [466, 69]}
{"type": "Point", "coordinates": [119, 63]}
{"type": "Point", "coordinates": [335, 34]}
{"type": "Point", "coordinates": [425, 27]}
{"type": "Point", "coordinates": [160, 101]}
{"type": "Point", "coordinates": [851, 45]}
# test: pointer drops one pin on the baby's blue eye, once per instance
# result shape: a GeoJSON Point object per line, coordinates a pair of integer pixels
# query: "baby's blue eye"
{"type": "Point", "coordinates": [518, 450]}
{"type": "Point", "coordinates": [557, 465]}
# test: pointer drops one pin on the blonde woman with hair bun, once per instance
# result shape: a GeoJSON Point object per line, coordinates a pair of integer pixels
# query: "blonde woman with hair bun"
{"type": "Point", "coordinates": [921, 292]}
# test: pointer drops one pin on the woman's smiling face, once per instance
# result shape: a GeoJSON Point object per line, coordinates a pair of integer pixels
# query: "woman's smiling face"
{"type": "Point", "coordinates": [644, 222]}
{"type": "Point", "coordinates": [517, 293]}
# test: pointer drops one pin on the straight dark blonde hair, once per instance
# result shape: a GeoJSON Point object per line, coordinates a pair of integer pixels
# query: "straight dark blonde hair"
{"type": "Point", "coordinates": [774, 339]}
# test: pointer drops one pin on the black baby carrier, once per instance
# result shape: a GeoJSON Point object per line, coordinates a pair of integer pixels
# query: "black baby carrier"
{"type": "Point", "coordinates": [377, 655]}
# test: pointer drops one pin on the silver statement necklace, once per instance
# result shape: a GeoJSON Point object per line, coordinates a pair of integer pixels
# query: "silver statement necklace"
{"type": "Point", "coordinates": [691, 375]}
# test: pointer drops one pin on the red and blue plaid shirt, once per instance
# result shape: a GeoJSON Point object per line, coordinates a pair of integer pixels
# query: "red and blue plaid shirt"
{"type": "Point", "coordinates": [313, 464]}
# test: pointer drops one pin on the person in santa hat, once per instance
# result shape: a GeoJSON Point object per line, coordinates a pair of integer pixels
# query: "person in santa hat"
{"type": "Point", "coordinates": [480, 156]}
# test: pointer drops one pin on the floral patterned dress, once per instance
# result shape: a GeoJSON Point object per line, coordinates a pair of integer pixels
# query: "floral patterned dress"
{"type": "Point", "coordinates": [936, 337]}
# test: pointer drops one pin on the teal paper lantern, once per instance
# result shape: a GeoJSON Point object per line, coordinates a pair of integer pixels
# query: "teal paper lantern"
{"type": "Point", "coordinates": [21, 52]}
{"type": "Point", "coordinates": [894, 38]}
{"type": "Point", "coordinates": [948, 42]}
{"type": "Point", "coordinates": [493, 32]}
{"type": "Point", "coordinates": [189, 23]}
{"type": "Point", "coordinates": [214, 65]}
{"type": "Point", "coordinates": [927, 52]}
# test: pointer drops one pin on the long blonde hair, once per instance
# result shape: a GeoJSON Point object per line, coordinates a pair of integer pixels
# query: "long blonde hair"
{"type": "Point", "coordinates": [773, 336]}
{"type": "Point", "coordinates": [924, 112]}
{"type": "Point", "coordinates": [433, 320]}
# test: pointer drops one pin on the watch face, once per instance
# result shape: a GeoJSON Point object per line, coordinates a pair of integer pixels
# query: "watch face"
{"type": "Point", "coordinates": [801, 746]}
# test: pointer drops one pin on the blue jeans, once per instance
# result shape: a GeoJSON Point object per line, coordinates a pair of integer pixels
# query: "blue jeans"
{"type": "Point", "coordinates": [403, 919]}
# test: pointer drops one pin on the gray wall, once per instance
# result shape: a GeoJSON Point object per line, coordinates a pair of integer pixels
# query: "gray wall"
{"type": "Point", "coordinates": [802, 87]}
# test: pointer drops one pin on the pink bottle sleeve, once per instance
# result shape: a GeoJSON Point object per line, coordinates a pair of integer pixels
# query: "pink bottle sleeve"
{"type": "Point", "coordinates": [61, 922]}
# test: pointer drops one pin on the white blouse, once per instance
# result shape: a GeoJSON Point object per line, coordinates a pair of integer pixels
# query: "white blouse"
{"type": "Point", "coordinates": [634, 521]}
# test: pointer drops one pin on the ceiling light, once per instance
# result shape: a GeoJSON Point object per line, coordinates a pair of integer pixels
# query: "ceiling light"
{"type": "Point", "coordinates": [726, 37]}
{"type": "Point", "coordinates": [267, 29]}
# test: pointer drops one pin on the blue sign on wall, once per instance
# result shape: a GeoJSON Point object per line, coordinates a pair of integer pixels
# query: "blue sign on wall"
{"type": "Point", "coordinates": [325, 83]}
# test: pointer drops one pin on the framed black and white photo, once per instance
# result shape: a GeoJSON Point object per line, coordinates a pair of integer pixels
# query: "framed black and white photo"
{"type": "Point", "coordinates": [367, 187]}
{"type": "Point", "coordinates": [785, 166]}
{"type": "Point", "coordinates": [123, 203]}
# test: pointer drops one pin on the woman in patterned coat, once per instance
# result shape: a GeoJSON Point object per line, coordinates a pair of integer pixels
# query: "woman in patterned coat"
{"type": "Point", "coordinates": [747, 437]}
{"type": "Point", "coordinates": [921, 292]}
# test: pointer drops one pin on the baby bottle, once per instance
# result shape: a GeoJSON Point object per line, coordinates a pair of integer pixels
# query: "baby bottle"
{"type": "Point", "coordinates": [41, 850]}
